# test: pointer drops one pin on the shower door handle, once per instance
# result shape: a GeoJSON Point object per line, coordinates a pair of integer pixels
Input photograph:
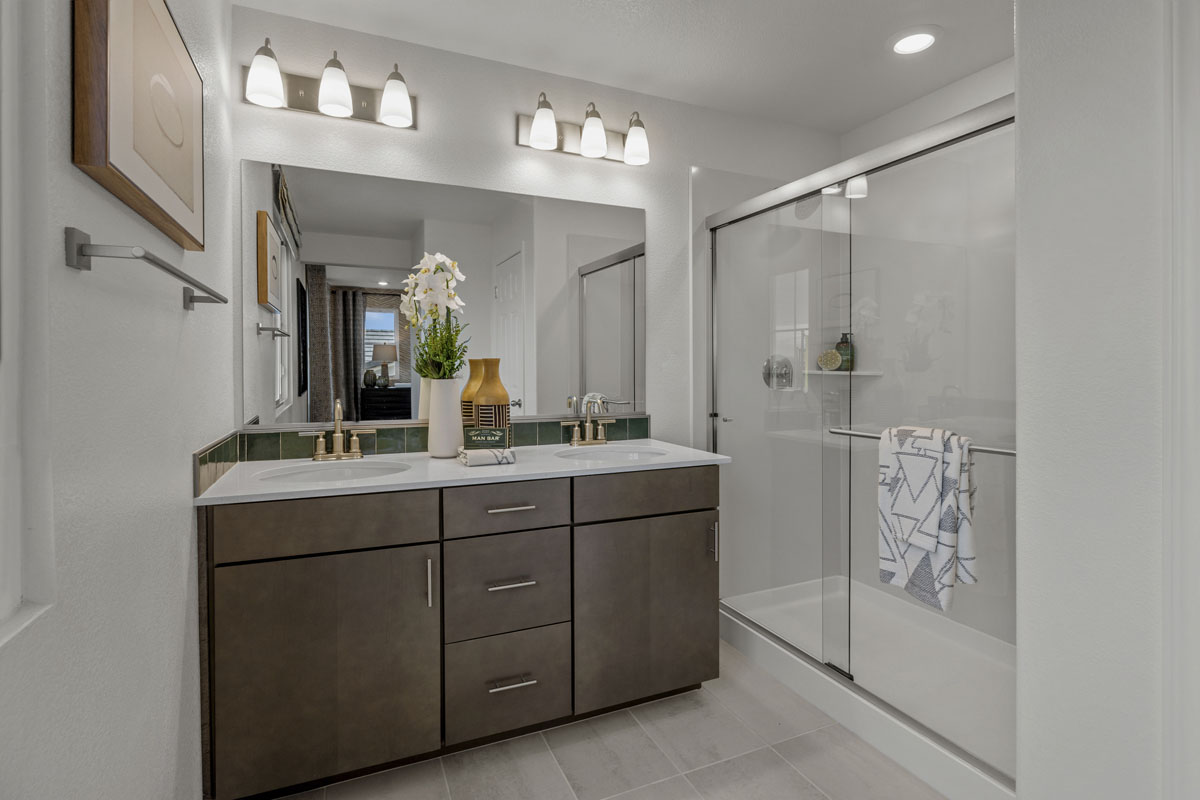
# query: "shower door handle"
{"type": "Point", "coordinates": [726, 419]}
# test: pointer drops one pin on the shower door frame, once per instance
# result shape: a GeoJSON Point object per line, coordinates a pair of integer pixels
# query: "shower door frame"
{"type": "Point", "coordinates": [988, 117]}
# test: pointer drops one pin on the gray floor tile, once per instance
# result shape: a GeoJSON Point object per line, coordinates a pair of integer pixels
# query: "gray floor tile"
{"type": "Point", "coordinates": [676, 788]}
{"type": "Point", "coordinates": [765, 705]}
{"type": "Point", "coordinates": [761, 775]}
{"type": "Point", "coordinates": [607, 755]}
{"type": "Point", "coordinates": [517, 769]}
{"type": "Point", "coordinates": [421, 781]}
{"type": "Point", "coordinates": [695, 730]}
{"type": "Point", "coordinates": [847, 768]}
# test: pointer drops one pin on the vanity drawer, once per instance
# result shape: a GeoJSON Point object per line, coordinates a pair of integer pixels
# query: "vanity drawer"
{"type": "Point", "coordinates": [500, 507]}
{"type": "Point", "coordinates": [624, 495]}
{"type": "Point", "coordinates": [282, 528]}
{"type": "Point", "coordinates": [509, 582]}
{"type": "Point", "coordinates": [506, 682]}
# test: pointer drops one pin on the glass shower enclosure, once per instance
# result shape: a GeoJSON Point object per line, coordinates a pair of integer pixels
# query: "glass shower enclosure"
{"type": "Point", "coordinates": [916, 270]}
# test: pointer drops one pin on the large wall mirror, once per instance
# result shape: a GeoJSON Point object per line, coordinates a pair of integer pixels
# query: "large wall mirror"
{"type": "Point", "coordinates": [554, 289]}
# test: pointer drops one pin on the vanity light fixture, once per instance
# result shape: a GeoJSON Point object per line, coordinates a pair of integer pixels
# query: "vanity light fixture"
{"type": "Point", "coordinates": [395, 109]}
{"type": "Point", "coordinates": [856, 187]}
{"type": "Point", "coordinates": [543, 132]}
{"type": "Point", "coordinates": [334, 98]}
{"type": "Point", "coordinates": [835, 189]}
{"type": "Point", "coordinates": [264, 83]}
{"type": "Point", "coordinates": [593, 142]}
{"type": "Point", "coordinates": [914, 40]}
{"type": "Point", "coordinates": [637, 147]}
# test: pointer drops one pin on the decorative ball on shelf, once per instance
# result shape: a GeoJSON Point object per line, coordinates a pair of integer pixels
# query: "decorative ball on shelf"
{"type": "Point", "coordinates": [369, 379]}
{"type": "Point", "coordinates": [829, 360]}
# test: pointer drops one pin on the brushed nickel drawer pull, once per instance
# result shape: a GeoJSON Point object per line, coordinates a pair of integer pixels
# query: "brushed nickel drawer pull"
{"type": "Point", "coordinates": [518, 585]}
{"type": "Point", "coordinates": [524, 681]}
{"type": "Point", "coordinates": [511, 509]}
{"type": "Point", "coordinates": [429, 583]}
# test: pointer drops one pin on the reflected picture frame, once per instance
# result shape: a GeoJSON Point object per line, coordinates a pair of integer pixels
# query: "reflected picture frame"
{"type": "Point", "coordinates": [138, 113]}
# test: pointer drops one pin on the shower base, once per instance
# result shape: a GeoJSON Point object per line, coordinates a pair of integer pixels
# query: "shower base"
{"type": "Point", "coordinates": [951, 678]}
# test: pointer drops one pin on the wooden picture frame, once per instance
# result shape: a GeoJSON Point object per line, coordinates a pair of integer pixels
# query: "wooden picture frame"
{"type": "Point", "coordinates": [138, 121]}
{"type": "Point", "coordinates": [270, 266]}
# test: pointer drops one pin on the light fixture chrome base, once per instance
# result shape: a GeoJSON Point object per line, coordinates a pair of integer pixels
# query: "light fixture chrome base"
{"type": "Point", "coordinates": [301, 93]}
{"type": "Point", "coordinates": [569, 135]}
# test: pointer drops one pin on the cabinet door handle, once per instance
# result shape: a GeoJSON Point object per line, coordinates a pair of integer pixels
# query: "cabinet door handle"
{"type": "Point", "coordinates": [510, 509]}
{"type": "Point", "coordinates": [519, 585]}
{"type": "Point", "coordinates": [524, 681]}
{"type": "Point", "coordinates": [716, 548]}
{"type": "Point", "coordinates": [429, 583]}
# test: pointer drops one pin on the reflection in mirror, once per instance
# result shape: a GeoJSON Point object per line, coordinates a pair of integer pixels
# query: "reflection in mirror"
{"type": "Point", "coordinates": [554, 289]}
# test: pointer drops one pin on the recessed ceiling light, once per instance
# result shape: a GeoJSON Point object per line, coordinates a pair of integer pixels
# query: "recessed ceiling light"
{"type": "Point", "coordinates": [383, 283]}
{"type": "Point", "coordinates": [914, 40]}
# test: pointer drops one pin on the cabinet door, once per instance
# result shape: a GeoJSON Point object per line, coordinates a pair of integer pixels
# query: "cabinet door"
{"type": "Point", "coordinates": [645, 608]}
{"type": "Point", "coordinates": [323, 665]}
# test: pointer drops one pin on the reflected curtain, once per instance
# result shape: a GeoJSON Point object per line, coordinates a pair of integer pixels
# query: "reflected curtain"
{"type": "Point", "coordinates": [320, 359]}
{"type": "Point", "coordinates": [346, 316]}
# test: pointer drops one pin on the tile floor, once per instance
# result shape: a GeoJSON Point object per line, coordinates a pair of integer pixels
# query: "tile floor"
{"type": "Point", "coordinates": [743, 736]}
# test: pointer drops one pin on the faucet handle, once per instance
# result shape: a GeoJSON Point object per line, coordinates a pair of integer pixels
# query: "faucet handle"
{"type": "Point", "coordinates": [355, 445]}
{"type": "Point", "coordinates": [319, 444]}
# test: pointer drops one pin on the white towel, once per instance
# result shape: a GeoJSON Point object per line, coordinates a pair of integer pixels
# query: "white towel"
{"type": "Point", "coordinates": [926, 502]}
{"type": "Point", "coordinates": [484, 458]}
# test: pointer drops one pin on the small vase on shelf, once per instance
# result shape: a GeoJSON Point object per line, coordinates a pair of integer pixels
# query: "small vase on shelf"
{"type": "Point", "coordinates": [491, 398]}
{"type": "Point", "coordinates": [423, 401]}
{"type": "Point", "coordinates": [474, 379]}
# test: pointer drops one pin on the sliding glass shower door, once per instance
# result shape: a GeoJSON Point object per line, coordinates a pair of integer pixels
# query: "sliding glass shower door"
{"type": "Point", "coordinates": [918, 270]}
{"type": "Point", "coordinates": [783, 289]}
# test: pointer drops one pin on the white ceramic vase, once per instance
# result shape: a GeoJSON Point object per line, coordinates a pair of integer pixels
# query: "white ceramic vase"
{"type": "Point", "coordinates": [445, 418]}
{"type": "Point", "coordinates": [423, 401]}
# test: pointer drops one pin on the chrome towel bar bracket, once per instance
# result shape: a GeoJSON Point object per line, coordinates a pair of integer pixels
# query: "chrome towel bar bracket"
{"type": "Point", "coordinates": [998, 451]}
{"type": "Point", "coordinates": [276, 333]}
{"type": "Point", "coordinates": [81, 251]}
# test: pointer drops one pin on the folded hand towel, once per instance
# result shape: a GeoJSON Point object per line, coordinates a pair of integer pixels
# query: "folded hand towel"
{"type": "Point", "coordinates": [483, 458]}
{"type": "Point", "coordinates": [926, 500]}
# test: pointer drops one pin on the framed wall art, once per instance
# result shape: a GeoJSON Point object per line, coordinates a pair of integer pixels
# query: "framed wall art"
{"type": "Point", "coordinates": [139, 113]}
{"type": "Point", "coordinates": [270, 267]}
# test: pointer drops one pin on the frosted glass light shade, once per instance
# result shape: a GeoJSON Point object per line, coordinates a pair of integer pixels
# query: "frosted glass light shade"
{"type": "Point", "coordinates": [543, 133]}
{"type": "Point", "coordinates": [637, 146]}
{"type": "Point", "coordinates": [264, 84]}
{"type": "Point", "coordinates": [856, 187]}
{"type": "Point", "coordinates": [593, 142]}
{"type": "Point", "coordinates": [333, 98]}
{"type": "Point", "coordinates": [395, 109]}
{"type": "Point", "coordinates": [835, 189]}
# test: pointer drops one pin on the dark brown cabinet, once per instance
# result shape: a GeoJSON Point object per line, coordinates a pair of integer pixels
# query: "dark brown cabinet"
{"type": "Point", "coordinates": [645, 608]}
{"type": "Point", "coordinates": [323, 665]}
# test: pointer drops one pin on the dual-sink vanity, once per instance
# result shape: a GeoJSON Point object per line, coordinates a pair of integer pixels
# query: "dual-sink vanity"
{"type": "Point", "coordinates": [360, 614]}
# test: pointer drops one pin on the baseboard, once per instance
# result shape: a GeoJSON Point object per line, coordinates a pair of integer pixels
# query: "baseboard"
{"type": "Point", "coordinates": [954, 774]}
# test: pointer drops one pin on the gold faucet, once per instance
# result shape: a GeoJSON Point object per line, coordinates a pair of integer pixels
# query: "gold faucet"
{"type": "Point", "coordinates": [592, 400]}
{"type": "Point", "coordinates": [340, 452]}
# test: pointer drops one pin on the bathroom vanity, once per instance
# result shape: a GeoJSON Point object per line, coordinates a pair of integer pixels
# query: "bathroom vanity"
{"type": "Point", "coordinates": [355, 623]}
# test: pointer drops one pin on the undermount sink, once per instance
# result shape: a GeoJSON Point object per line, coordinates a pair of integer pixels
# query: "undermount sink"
{"type": "Point", "coordinates": [614, 453]}
{"type": "Point", "coordinates": [324, 472]}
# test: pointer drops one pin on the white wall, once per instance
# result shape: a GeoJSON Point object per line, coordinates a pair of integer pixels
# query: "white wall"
{"type": "Point", "coordinates": [466, 117]}
{"type": "Point", "coordinates": [470, 245]}
{"type": "Point", "coordinates": [1092, 193]}
{"type": "Point", "coordinates": [384, 253]}
{"type": "Point", "coordinates": [951, 100]}
{"type": "Point", "coordinates": [98, 696]}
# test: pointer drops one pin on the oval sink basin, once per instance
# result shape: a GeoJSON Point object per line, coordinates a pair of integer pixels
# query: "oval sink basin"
{"type": "Point", "coordinates": [614, 453]}
{"type": "Point", "coordinates": [341, 471]}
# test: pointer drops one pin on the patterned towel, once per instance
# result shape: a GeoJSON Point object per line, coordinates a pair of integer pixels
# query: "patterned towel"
{"type": "Point", "coordinates": [926, 501]}
{"type": "Point", "coordinates": [485, 458]}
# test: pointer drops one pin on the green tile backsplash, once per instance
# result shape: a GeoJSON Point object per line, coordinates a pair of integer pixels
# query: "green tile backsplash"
{"type": "Point", "coordinates": [212, 462]}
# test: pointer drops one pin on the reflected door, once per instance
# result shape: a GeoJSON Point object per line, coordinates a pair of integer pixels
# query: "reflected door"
{"type": "Point", "coordinates": [508, 328]}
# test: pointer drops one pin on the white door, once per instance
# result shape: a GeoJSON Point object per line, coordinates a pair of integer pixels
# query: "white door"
{"type": "Point", "coordinates": [508, 327]}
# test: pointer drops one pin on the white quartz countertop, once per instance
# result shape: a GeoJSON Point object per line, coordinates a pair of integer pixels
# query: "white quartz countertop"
{"type": "Point", "coordinates": [257, 481]}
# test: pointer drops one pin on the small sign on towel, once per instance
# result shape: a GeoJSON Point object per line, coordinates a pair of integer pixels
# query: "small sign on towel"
{"type": "Point", "coordinates": [486, 438]}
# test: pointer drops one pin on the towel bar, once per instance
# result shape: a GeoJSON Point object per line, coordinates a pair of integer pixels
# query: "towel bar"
{"type": "Point", "coordinates": [999, 451]}
{"type": "Point", "coordinates": [81, 251]}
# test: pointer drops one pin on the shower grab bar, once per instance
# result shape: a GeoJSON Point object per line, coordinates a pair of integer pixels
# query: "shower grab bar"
{"type": "Point", "coordinates": [998, 451]}
{"type": "Point", "coordinates": [81, 251]}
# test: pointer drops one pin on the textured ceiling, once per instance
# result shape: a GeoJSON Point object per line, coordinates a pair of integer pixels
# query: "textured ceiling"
{"type": "Point", "coordinates": [824, 64]}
